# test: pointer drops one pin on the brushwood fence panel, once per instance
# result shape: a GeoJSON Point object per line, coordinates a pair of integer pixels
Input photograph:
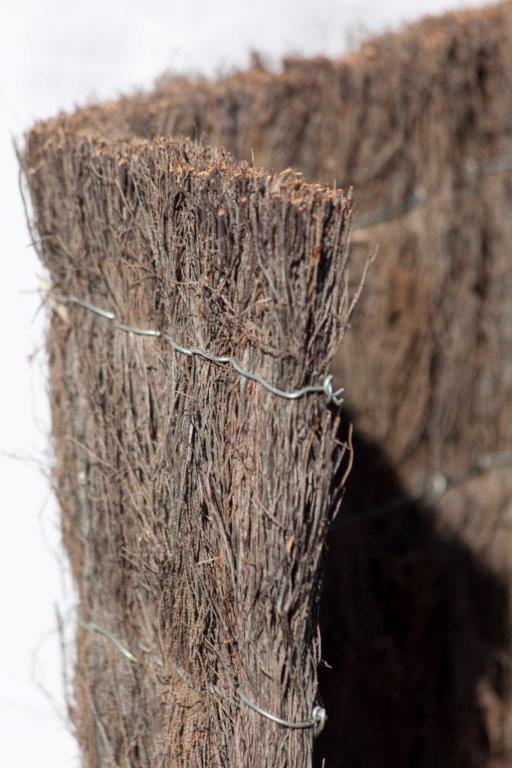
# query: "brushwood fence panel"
{"type": "Point", "coordinates": [416, 611]}
{"type": "Point", "coordinates": [419, 122]}
{"type": "Point", "coordinates": [195, 502]}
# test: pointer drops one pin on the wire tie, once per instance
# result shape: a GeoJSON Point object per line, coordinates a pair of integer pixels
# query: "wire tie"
{"type": "Point", "coordinates": [326, 388]}
{"type": "Point", "coordinates": [317, 721]}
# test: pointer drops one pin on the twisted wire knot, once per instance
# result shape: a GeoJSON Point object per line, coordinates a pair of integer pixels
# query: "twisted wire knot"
{"type": "Point", "coordinates": [319, 717]}
{"type": "Point", "coordinates": [332, 395]}
{"type": "Point", "coordinates": [316, 721]}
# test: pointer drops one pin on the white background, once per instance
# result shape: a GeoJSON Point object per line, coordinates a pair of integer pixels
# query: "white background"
{"type": "Point", "coordinates": [55, 54]}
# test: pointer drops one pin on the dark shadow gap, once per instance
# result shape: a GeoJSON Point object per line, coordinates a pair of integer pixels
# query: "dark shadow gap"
{"type": "Point", "coordinates": [414, 629]}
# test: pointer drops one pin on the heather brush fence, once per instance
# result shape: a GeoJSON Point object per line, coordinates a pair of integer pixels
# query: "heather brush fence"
{"type": "Point", "coordinates": [196, 503]}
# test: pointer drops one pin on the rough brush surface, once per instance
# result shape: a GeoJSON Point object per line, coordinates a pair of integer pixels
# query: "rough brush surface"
{"type": "Point", "coordinates": [425, 109]}
{"type": "Point", "coordinates": [195, 504]}
{"type": "Point", "coordinates": [417, 606]}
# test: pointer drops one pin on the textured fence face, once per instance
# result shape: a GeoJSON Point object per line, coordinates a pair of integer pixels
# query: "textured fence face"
{"type": "Point", "coordinates": [420, 123]}
{"type": "Point", "coordinates": [417, 606]}
{"type": "Point", "coordinates": [195, 503]}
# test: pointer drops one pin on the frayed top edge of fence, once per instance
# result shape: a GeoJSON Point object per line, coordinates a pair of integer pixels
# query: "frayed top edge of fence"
{"type": "Point", "coordinates": [318, 714]}
{"type": "Point", "coordinates": [326, 388]}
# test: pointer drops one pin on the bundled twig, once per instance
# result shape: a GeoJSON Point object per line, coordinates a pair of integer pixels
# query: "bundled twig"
{"type": "Point", "coordinates": [420, 124]}
{"type": "Point", "coordinates": [195, 501]}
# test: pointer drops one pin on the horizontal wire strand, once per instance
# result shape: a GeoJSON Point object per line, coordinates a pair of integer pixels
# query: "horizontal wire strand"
{"type": "Point", "coordinates": [436, 487]}
{"type": "Point", "coordinates": [316, 722]}
{"type": "Point", "coordinates": [318, 714]}
{"type": "Point", "coordinates": [326, 388]}
{"type": "Point", "coordinates": [420, 196]}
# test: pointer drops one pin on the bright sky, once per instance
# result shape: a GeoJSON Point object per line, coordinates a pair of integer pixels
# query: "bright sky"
{"type": "Point", "coordinates": [55, 54]}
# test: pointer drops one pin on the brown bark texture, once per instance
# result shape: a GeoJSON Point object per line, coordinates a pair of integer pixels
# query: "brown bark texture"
{"type": "Point", "coordinates": [416, 617]}
{"type": "Point", "coordinates": [195, 503]}
{"type": "Point", "coordinates": [416, 608]}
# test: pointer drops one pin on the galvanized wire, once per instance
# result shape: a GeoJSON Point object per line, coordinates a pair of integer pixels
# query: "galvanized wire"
{"type": "Point", "coordinates": [436, 487]}
{"type": "Point", "coordinates": [471, 170]}
{"type": "Point", "coordinates": [326, 388]}
{"type": "Point", "coordinates": [316, 721]}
